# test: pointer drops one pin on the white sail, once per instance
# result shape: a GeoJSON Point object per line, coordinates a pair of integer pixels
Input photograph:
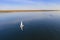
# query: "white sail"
{"type": "Point", "coordinates": [21, 26]}
{"type": "Point", "coordinates": [21, 23]}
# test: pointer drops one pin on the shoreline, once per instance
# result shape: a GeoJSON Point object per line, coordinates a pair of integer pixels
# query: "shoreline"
{"type": "Point", "coordinates": [27, 10]}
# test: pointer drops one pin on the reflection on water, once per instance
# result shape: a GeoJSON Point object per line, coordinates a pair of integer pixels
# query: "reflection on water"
{"type": "Point", "coordinates": [37, 26]}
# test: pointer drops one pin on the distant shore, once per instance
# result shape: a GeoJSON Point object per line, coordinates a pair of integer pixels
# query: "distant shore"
{"type": "Point", "coordinates": [27, 10]}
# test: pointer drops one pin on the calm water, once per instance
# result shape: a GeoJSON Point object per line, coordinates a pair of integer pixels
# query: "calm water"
{"type": "Point", "coordinates": [37, 26]}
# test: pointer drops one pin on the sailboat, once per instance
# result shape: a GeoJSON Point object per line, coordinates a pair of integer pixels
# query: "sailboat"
{"type": "Point", "coordinates": [21, 25]}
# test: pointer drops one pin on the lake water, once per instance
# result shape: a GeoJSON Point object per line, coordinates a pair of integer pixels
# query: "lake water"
{"type": "Point", "coordinates": [37, 26]}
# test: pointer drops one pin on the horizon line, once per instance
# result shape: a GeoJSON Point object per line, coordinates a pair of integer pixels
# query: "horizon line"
{"type": "Point", "coordinates": [26, 10]}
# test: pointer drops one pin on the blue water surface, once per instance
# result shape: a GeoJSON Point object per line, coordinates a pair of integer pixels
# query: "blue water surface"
{"type": "Point", "coordinates": [37, 26]}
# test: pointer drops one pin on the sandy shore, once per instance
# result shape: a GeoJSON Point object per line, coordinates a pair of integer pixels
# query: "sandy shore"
{"type": "Point", "coordinates": [26, 10]}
